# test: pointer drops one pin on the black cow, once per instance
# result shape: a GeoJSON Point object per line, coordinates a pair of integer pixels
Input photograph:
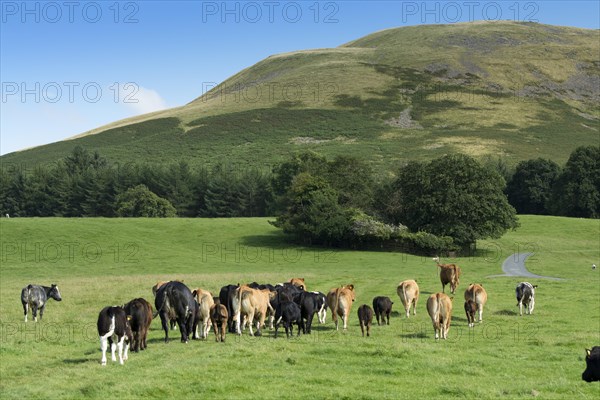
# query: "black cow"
{"type": "Point", "coordinates": [139, 312]}
{"type": "Point", "coordinates": [287, 313]}
{"type": "Point", "coordinates": [36, 297]}
{"type": "Point", "coordinates": [176, 300]}
{"type": "Point", "coordinates": [592, 361]}
{"type": "Point", "coordinates": [226, 297]}
{"type": "Point", "coordinates": [525, 292]}
{"type": "Point", "coordinates": [365, 317]}
{"type": "Point", "coordinates": [114, 327]}
{"type": "Point", "coordinates": [310, 304]}
{"type": "Point", "coordinates": [382, 306]}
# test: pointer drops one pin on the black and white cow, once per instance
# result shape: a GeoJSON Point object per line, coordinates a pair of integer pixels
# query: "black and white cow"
{"type": "Point", "coordinates": [114, 329]}
{"type": "Point", "coordinates": [525, 292]}
{"type": "Point", "coordinates": [36, 297]}
{"type": "Point", "coordinates": [311, 303]}
{"type": "Point", "coordinates": [592, 361]}
{"type": "Point", "coordinates": [174, 300]}
{"type": "Point", "coordinates": [322, 304]}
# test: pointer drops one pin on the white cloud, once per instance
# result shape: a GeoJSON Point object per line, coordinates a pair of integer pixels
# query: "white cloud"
{"type": "Point", "coordinates": [141, 100]}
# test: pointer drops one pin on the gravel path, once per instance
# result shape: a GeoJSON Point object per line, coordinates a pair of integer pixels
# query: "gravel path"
{"type": "Point", "coordinates": [514, 265]}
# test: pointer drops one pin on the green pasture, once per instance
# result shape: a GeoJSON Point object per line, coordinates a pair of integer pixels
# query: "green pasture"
{"type": "Point", "coordinates": [100, 262]}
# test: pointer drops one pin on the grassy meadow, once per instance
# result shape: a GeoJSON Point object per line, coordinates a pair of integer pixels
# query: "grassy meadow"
{"type": "Point", "coordinates": [99, 262]}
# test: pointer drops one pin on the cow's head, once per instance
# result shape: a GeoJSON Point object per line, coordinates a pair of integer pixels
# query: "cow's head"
{"type": "Point", "coordinates": [54, 293]}
{"type": "Point", "coordinates": [592, 361]}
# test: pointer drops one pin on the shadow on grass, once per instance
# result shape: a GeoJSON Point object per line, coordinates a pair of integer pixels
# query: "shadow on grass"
{"type": "Point", "coordinates": [505, 312]}
{"type": "Point", "coordinates": [417, 335]}
{"type": "Point", "coordinates": [77, 360]}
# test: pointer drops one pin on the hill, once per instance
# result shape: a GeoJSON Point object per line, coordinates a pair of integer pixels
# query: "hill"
{"type": "Point", "coordinates": [483, 88]}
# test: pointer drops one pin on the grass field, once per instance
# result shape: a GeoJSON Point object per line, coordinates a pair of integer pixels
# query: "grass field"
{"type": "Point", "coordinates": [99, 262]}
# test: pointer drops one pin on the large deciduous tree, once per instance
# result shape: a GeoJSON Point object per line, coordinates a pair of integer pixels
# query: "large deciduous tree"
{"type": "Point", "coordinates": [576, 192]}
{"type": "Point", "coordinates": [530, 187]}
{"type": "Point", "coordinates": [454, 196]}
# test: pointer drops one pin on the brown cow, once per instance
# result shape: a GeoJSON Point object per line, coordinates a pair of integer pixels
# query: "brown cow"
{"type": "Point", "coordinates": [298, 282]}
{"type": "Point", "coordinates": [476, 294]}
{"type": "Point", "coordinates": [449, 274]}
{"type": "Point", "coordinates": [205, 302]}
{"type": "Point", "coordinates": [439, 307]}
{"type": "Point", "coordinates": [139, 314]}
{"type": "Point", "coordinates": [408, 291]}
{"type": "Point", "coordinates": [219, 317]}
{"type": "Point", "coordinates": [340, 301]}
{"type": "Point", "coordinates": [252, 303]}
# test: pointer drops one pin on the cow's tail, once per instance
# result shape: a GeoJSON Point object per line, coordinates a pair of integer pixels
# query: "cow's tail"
{"type": "Point", "coordinates": [404, 297]}
{"type": "Point", "coordinates": [438, 310]}
{"type": "Point", "coordinates": [111, 329]}
{"type": "Point", "coordinates": [159, 309]}
{"type": "Point", "coordinates": [337, 302]}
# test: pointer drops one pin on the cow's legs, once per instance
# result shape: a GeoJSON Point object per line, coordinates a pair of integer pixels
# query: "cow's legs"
{"type": "Point", "coordinates": [34, 309]}
{"type": "Point", "coordinates": [480, 313]}
{"type": "Point", "coordinates": [42, 308]}
{"type": "Point", "coordinates": [164, 320]}
{"type": "Point", "coordinates": [126, 351]}
{"type": "Point", "coordinates": [250, 320]}
{"type": "Point", "coordinates": [531, 304]}
{"type": "Point", "coordinates": [345, 317]}
{"type": "Point", "coordinates": [113, 347]}
{"type": "Point", "coordinates": [120, 346]}
{"type": "Point", "coordinates": [414, 306]}
{"type": "Point", "coordinates": [259, 324]}
{"type": "Point", "coordinates": [103, 347]}
{"type": "Point", "coordinates": [25, 309]}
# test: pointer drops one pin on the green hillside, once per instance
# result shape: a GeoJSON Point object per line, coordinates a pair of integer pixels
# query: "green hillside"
{"type": "Point", "coordinates": [511, 89]}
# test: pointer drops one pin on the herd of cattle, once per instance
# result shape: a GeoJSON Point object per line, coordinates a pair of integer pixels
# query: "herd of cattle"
{"type": "Point", "coordinates": [240, 307]}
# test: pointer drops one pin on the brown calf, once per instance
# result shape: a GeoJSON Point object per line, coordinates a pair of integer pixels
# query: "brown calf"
{"type": "Point", "coordinates": [439, 307]}
{"type": "Point", "coordinates": [139, 314]}
{"type": "Point", "coordinates": [476, 294]}
{"type": "Point", "coordinates": [408, 291]}
{"type": "Point", "coordinates": [219, 317]}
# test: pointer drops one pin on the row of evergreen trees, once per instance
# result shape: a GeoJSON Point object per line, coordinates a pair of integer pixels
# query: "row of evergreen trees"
{"type": "Point", "coordinates": [85, 184]}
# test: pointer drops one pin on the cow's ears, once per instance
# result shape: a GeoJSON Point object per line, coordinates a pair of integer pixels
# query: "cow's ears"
{"type": "Point", "coordinates": [351, 286]}
{"type": "Point", "coordinates": [451, 298]}
{"type": "Point", "coordinates": [53, 285]}
{"type": "Point", "coordinates": [129, 318]}
{"type": "Point", "coordinates": [534, 286]}
{"type": "Point", "coordinates": [194, 292]}
{"type": "Point", "coordinates": [587, 353]}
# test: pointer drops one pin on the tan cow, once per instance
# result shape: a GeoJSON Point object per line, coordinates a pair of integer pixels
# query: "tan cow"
{"type": "Point", "coordinates": [439, 307]}
{"type": "Point", "coordinates": [477, 294]}
{"type": "Point", "coordinates": [250, 304]}
{"type": "Point", "coordinates": [449, 274]}
{"type": "Point", "coordinates": [298, 282]}
{"type": "Point", "coordinates": [205, 302]}
{"type": "Point", "coordinates": [159, 284]}
{"type": "Point", "coordinates": [340, 301]}
{"type": "Point", "coordinates": [408, 291]}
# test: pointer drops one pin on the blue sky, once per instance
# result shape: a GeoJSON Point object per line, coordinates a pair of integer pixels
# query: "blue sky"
{"type": "Point", "coordinates": [70, 66]}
